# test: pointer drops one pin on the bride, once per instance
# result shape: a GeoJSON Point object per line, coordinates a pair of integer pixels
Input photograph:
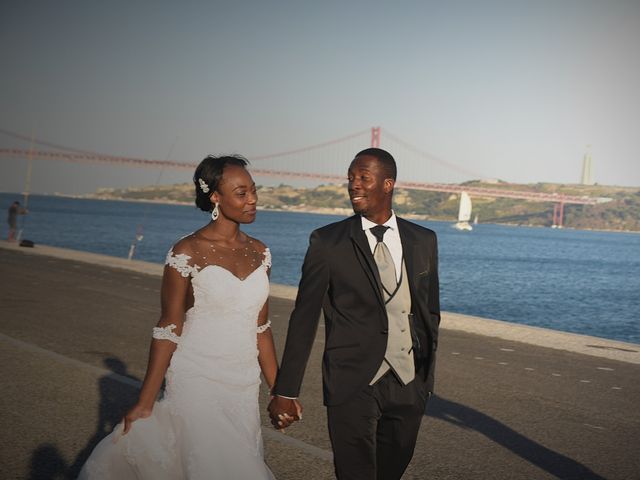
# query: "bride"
{"type": "Point", "coordinates": [211, 342]}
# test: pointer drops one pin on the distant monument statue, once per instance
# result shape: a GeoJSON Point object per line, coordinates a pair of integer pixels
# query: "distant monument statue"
{"type": "Point", "coordinates": [587, 173]}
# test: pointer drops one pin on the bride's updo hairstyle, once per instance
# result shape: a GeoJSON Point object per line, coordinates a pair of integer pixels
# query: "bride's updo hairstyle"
{"type": "Point", "coordinates": [208, 175]}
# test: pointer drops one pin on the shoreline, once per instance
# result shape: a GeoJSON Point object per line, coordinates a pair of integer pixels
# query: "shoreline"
{"type": "Point", "coordinates": [555, 339]}
{"type": "Point", "coordinates": [336, 211]}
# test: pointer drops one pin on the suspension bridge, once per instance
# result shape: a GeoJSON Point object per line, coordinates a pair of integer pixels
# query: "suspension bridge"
{"type": "Point", "coordinates": [322, 162]}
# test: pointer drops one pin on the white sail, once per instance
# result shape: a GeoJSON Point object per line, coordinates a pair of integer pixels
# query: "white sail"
{"type": "Point", "coordinates": [464, 214]}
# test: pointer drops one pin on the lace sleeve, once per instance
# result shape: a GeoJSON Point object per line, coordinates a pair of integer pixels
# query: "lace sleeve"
{"type": "Point", "coordinates": [263, 328]}
{"type": "Point", "coordinates": [166, 333]}
{"type": "Point", "coordinates": [266, 261]}
{"type": "Point", "coordinates": [180, 262]}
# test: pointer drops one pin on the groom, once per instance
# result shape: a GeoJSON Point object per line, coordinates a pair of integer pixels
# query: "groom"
{"type": "Point", "coordinates": [375, 277]}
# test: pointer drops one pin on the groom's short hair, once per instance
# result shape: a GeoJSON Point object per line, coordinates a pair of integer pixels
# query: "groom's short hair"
{"type": "Point", "coordinates": [385, 158]}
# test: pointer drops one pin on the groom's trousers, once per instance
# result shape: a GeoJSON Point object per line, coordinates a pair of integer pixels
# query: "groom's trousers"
{"type": "Point", "coordinates": [374, 433]}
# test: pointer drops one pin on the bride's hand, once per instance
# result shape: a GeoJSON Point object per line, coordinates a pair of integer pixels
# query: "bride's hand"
{"type": "Point", "coordinates": [136, 412]}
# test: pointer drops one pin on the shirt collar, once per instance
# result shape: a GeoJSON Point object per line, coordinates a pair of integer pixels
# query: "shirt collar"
{"type": "Point", "coordinates": [391, 223]}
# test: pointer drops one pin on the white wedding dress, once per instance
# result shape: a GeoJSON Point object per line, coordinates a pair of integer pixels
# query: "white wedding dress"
{"type": "Point", "coordinates": [207, 425]}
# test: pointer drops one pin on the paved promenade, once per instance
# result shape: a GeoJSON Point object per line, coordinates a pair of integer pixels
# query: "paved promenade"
{"type": "Point", "coordinates": [74, 335]}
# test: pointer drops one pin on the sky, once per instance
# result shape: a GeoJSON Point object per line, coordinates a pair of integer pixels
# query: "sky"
{"type": "Point", "coordinates": [515, 90]}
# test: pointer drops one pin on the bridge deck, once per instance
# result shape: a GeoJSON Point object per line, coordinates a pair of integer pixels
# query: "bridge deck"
{"type": "Point", "coordinates": [90, 157]}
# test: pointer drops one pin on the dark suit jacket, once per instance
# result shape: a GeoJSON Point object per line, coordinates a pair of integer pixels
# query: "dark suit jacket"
{"type": "Point", "coordinates": [339, 276]}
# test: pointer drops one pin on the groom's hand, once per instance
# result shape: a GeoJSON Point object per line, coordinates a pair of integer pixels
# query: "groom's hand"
{"type": "Point", "coordinates": [284, 411]}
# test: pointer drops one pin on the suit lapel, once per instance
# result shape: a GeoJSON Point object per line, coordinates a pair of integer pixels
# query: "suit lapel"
{"type": "Point", "coordinates": [407, 253]}
{"type": "Point", "coordinates": [365, 257]}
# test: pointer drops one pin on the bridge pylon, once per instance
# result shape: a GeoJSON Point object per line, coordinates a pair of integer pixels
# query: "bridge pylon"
{"type": "Point", "coordinates": [558, 215]}
{"type": "Point", "coordinates": [375, 137]}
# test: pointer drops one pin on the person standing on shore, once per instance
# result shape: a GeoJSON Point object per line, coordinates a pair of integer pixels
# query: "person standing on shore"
{"type": "Point", "coordinates": [210, 344]}
{"type": "Point", "coordinates": [375, 276]}
{"type": "Point", "coordinates": [12, 219]}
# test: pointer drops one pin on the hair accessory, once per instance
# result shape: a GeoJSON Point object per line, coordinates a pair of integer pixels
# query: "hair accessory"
{"type": "Point", "coordinates": [203, 185]}
{"type": "Point", "coordinates": [215, 212]}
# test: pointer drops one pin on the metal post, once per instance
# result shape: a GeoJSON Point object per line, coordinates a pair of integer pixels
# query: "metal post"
{"type": "Point", "coordinates": [138, 238]}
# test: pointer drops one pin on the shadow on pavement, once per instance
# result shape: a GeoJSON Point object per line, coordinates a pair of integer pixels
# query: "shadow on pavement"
{"type": "Point", "coordinates": [47, 463]}
{"type": "Point", "coordinates": [553, 462]}
{"type": "Point", "coordinates": [115, 399]}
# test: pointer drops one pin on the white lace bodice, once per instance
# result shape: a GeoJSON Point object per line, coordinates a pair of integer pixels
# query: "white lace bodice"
{"type": "Point", "coordinates": [221, 326]}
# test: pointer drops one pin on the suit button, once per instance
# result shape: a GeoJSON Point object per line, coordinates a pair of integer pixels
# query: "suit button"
{"type": "Point", "coordinates": [403, 330]}
{"type": "Point", "coordinates": [404, 311]}
{"type": "Point", "coordinates": [384, 332]}
{"type": "Point", "coordinates": [402, 349]}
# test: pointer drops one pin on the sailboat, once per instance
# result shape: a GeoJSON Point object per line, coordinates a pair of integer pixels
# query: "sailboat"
{"type": "Point", "coordinates": [464, 213]}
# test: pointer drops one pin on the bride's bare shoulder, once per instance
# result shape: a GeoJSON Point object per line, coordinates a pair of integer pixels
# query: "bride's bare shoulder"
{"type": "Point", "coordinates": [187, 245]}
{"type": "Point", "coordinates": [259, 245]}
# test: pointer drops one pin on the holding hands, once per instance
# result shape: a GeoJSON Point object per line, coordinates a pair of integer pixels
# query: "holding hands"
{"type": "Point", "coordinates": [284, 411]}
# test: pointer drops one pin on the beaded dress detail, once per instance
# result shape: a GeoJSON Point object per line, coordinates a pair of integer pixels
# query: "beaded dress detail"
{"type": "Point", "coordinates": [207, 425]}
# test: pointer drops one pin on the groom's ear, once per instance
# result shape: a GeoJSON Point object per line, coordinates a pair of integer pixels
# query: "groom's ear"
{"type": "Point", "coordinates": [388, 185]}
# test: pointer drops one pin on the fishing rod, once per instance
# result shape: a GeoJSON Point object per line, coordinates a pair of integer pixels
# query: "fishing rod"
{"type": "Point", "coordinates": [140, 227]}
{"type": "Point", "coordinates": [27, 188]}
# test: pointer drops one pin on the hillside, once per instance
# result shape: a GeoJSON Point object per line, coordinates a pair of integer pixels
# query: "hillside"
{"type": "Point", "coordinates": [621, 213]}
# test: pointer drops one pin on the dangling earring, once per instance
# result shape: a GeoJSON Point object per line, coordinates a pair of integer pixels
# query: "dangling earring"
{"type": "Point", "coordinates": [215, 212]}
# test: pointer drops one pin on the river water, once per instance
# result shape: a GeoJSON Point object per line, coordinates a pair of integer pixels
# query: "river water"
{"type": "Point", "coordinates": [575, 281]}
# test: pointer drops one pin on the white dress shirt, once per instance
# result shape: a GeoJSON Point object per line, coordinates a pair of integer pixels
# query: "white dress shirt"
{"type": "Point", "coordinates": [391, 239]}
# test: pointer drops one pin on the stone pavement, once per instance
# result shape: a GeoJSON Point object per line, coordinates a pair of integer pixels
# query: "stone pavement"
{"type": "Point", "coordinates": [74, 338]}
